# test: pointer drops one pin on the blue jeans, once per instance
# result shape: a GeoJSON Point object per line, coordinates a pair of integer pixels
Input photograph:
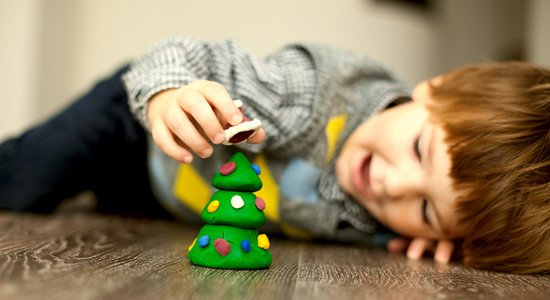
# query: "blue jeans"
{"type": "Point", "coordinates": [94, 144]}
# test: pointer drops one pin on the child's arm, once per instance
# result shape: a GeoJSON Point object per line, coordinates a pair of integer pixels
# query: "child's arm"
{"type": "Point", "coordinates": [186, 119]}
{"type": "Point", "coordinates": [277, 90]}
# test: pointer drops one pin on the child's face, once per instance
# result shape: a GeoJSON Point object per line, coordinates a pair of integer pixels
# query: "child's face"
{"type": "Point", "coordinates": [396, 165]}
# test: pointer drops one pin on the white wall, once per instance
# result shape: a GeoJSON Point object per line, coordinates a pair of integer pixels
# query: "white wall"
{"type": "Point", "coordinates": [538, 34]}
{"type": "Point", "coordinates": [19, 31]}
{"type": "Point", "coordinates": [107, 32]}
{"type": "Point", "coordinates": [52, 50]}
{"type": "Point", "coordinates": [479, 30]}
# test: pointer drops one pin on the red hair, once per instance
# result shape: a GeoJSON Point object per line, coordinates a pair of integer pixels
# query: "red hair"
{"type": "Point", "coordinates": [497, 120]}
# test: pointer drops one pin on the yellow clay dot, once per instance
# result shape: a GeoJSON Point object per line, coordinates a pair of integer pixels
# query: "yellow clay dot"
{"type": "Point", "coordinates": [192, 244]}
{"type": "Point", "coordinates": [213, 206]}
{"type": "Point", "coordinates": [263, 241]}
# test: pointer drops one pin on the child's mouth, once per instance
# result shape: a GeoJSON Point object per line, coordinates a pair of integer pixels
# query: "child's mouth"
{"type": "Point", "coordinates": [361, 176]}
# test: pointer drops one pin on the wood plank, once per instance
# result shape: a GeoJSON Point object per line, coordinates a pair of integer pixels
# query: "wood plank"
{"type": "Point", "coordinates": [94, 256]}
{"type": "Point", "coordinates": [330, 271]}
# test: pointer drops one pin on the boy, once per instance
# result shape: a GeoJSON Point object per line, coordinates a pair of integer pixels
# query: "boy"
{"type": "Point", "coordinates": [345, 154]}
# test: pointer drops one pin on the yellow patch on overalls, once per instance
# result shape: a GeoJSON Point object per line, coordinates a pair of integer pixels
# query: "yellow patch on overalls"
{"type": "Point", "coordinates": [269, 191]}
{"type": "Point", "coordinates": [333, 130]}
{"type": "Point", "coordinates": [191, 189]}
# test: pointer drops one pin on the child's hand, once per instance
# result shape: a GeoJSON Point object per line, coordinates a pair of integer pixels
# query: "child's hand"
{"type": "Point", "coordinates": [416, 247]}
{"type": "Point", "coordinates": [184, 120]}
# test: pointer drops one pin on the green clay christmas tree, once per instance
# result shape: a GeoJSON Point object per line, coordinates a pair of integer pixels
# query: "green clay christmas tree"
{"type": "Point", "coordinates": [230, 239]}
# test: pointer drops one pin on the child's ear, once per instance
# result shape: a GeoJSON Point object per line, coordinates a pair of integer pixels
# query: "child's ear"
{"type": "Point", "coordinates": [437, 80]}
{"type": "Point", "coordinates": [421, 92]}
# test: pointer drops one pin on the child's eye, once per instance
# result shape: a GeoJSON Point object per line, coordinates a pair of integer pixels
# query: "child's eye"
{"type": "Point", "coordinates": [417, 147]}
{"type": "Point", "coordinates": [424, 212]}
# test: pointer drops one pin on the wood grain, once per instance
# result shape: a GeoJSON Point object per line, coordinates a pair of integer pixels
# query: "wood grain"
{"type": "Point", "coordinates": [93, 256]}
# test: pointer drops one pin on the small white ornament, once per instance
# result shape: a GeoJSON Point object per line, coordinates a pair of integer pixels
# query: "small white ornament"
{"type": "Point", "coordinates": [237, 201]}
{"type": "Point", "coordinates": [251, 125]}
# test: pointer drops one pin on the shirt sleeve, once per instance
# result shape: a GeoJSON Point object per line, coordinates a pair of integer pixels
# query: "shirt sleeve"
{"type": "Point", "coordinates": [278, 89]}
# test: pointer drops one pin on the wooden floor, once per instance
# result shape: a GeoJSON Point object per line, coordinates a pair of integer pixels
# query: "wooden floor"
{"type": "Point", "coordinates": [93, 256]}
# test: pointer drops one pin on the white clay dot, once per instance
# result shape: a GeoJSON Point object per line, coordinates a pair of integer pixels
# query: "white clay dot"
{"type": "Point", "coordinates": [237, 201]}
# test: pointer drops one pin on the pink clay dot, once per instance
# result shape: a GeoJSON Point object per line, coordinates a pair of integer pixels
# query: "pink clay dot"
{"type": "Point", "coordinates": [228, 168]}
{"type": "Point", "coordinates": [260, 204]}
{"type": "Point", "coordinates": [222, 246]}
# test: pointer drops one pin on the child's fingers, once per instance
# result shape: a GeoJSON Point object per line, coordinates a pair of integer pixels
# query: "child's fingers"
{"type": "Point", "coordinates": [219, 98]}
{"type": "Point", "coordinates": [179, 124]}
{"type": "Point", "coordinates": [257, 138]}
{"type": "Point", "coordinates": [194, 104]}
{"type": "Point", "coordinates": [417, 247]}
{"type": "Point", "coordinates": [166, 142]}
{"type": "Point", "coordinates": [444, 251]}
{"type": "Point", "coordinates": [397, 244]}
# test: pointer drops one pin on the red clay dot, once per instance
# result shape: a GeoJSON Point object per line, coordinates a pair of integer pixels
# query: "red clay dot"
{"type": "Point", "coordinates": [222, 247]}
{"type": "Point", "coordinates": [228, 168]}
{"type": "Point", "coordinates": [241, 136]}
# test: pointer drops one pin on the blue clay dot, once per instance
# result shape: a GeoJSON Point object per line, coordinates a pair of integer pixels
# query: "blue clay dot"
{"type": "Point", "coordinates": [245, 245]}
{"type": "Point", "coordinates": [204, 240]}
{"type": "Point", "coordinates": [257, 169]}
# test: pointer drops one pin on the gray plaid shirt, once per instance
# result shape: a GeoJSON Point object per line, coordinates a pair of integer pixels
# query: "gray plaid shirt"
{"type": "Point", "coordinates": [294, 92]}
